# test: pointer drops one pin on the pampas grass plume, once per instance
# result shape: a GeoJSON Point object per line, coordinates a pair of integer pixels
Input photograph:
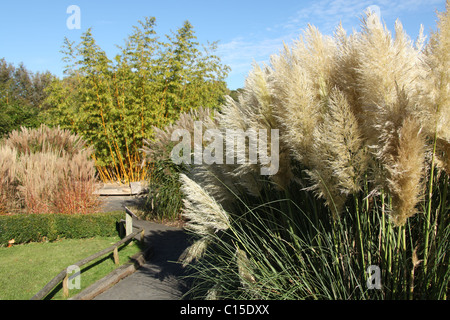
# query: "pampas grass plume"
{"type": "Point", "coordinates": [407, 171]}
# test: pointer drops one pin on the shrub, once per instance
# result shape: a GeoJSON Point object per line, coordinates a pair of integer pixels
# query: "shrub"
{"type": "Point", "coordinates": [25, 228]}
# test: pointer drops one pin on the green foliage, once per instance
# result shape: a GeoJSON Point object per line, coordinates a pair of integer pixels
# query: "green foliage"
{"type": "Point", "coordinates": [25, 228]}
{"type": "Point", "coordinates": [22, 97]}
{"type": "Point", "coordinates": [166, 198]}
{"type": "Point", "coordinates": [115, 104]}
{"type": "Point", "coordinates": [283, 245]}
{"type": "Point", "coordinates": [13, 117]}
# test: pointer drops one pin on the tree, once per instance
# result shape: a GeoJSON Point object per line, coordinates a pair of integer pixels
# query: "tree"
{"type": "Point", "coordinates": [194, 78]}
{"type": "Point", "coordinates": [22, 96]}
{"type": "Point", "coordinates": [114, 105]}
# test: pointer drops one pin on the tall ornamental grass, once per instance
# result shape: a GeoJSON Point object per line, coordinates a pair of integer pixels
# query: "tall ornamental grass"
{"type": "Point", "coordinates": [362, 184]}
{"type": "Point", "coordinates": [165, 199]}
{"type": "Point", "coordinates": [46, 170]}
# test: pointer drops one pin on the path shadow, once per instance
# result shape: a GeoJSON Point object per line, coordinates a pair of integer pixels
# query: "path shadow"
{"type": "Point", "coordinates": [163, 264]}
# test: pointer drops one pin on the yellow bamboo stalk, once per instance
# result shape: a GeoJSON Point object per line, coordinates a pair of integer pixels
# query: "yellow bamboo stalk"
{"type": "Point", "coordinates": [99, 169]}
{"type": "Point", "coordinates": [129, 160]}
{"type": "Point", "coordinates": [104, 127]}
{"type": "Point", "coordinates": [142, 111]}
{"type": "Point", "coordinates": [121, 105]}
{"type": "Point", "coordinates": [122, 167]}
{"type": "Point", "coordinates": [102, 175]}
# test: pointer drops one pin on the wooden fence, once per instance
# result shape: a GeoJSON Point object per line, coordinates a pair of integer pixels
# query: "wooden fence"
{"type": "Point", "coordinates": [64, 274]}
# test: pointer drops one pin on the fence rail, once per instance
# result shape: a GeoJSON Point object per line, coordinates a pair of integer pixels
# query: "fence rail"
{"type": "Point", "coordinates": [64, 275]}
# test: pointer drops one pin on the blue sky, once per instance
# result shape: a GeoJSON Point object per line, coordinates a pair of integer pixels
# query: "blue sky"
{"type": "Point", "coordinates": [248, 31]}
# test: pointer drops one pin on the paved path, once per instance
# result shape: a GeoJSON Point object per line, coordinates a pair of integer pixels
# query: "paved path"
{"type": "Point", "coordinates": [161, 278]}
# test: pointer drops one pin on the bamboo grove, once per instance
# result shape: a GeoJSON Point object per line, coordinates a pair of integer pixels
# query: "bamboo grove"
{"type": "Point", "coordinates": [114, 105]}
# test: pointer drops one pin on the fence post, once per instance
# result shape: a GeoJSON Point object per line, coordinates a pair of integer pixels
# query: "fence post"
{"type": "Point", "coordinates": [116, 256]}
{"type": "Point", "coordinates": [66, 285]}
{"type": "Point", "coordinates": [128, 224]}
{"type": "Point", "coordinates": [142, 236]}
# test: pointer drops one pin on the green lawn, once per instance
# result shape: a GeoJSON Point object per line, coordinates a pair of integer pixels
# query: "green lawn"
{"type": "Point", "coordinates": [25, 269]}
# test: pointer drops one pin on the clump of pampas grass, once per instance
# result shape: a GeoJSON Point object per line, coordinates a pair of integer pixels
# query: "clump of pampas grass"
{"type": "Point", "coordinates": [47, 170]}
{"type": "Point", "coordinates": [362, 116]}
